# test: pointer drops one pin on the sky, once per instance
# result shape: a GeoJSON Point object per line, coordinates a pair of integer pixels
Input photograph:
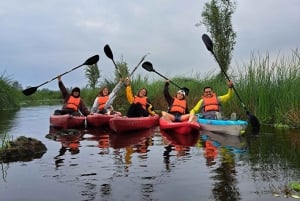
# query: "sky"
{"type": "Point", "coordinates": [41, 39]}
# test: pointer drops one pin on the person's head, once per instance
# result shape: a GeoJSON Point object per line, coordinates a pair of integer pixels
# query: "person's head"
{"type": "Point", "coordinates": [75, 92]}
{"type": "Point", "coordinates": [180, 94]}
{"type": "Point", "coordinates": [142, 92]}
{"type": "Point", "coordinates": [207, 92]}
{"type": "Point", "coordinates": [104, 91]}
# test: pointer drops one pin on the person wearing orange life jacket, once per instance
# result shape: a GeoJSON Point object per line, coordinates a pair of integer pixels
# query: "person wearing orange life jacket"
{"type": "Point", "coordinates": [140, 105]}
{"type": "Point", "coordinates": [177, 106]}
{"type": "Point", "coordinates": [100, 101]}
{"type": "Point", "coordinates": [210, 104]}
{"type": "Point", "coordinates": [73, 104]}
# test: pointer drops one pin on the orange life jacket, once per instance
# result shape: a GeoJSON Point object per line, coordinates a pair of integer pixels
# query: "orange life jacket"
{"type": "Point", "coordinates": [73, 103]}
{"type": "Point", "coordinates": [141, 100]}
{"type": "Point", "coordinates": [210, 103]}
{"type": "Point", "coordinates": [178, 106]}
{"type": "Point", "coordinates": [102, 100]}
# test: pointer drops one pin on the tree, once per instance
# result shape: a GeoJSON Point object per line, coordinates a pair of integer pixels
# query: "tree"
{"type": "Point", "coordinates": [217, 16]}
{"type": "Point", "coordinates": [93, 74]}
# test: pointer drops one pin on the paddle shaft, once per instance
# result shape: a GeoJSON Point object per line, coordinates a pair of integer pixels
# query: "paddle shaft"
{"type": "Point", "coordinates": [167, 79]}
{"type": "Point", "coordinates": [114, 92]}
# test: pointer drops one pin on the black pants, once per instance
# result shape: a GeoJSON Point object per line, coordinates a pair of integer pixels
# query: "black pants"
{"type": "Point", "coordinates": [66, 111]}
{"type": "Point", "coordinates": [136, 110]}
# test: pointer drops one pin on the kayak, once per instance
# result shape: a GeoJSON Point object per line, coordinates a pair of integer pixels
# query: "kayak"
{"type": "Point", "coordinates": [229, 127]}
{"type": "Point", "coordinates": [67, 121]}
{"type": "Point", "coordinates": [183, 127]}
{"type": "Point", "coordinates": [174, 138]}
{"type": "Point", "coordinates": [122, 140]}
{"type": "Point", "coordinates": [98, 120]}
{"type": "Point", "coordinates": [125, 124]}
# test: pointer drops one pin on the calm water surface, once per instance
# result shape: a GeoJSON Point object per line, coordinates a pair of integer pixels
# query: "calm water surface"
{"type": "Point", "coordinates": [148, 165]}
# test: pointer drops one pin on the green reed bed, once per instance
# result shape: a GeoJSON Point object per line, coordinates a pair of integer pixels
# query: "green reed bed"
{"type": "Point", "coordinates": [9, 96]}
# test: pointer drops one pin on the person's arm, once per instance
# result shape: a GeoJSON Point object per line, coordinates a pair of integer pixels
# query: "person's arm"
{"type": "Point", "coordinates": [62, 88]}
{"type": "Point", "coordinates": [196, 108]}
{"type": "Point", "coordinates": [229, 94]}
{"type": "Point", "coordinates": [83, 109]}
{"type": "Point", "coordinates": [95, 106]}
{"type": "Point", "coordinates": [167, 95]}
{"type": "Point", "coordinates": [150, 108]}
{"type": "Point", "coordinates": [128, 91]}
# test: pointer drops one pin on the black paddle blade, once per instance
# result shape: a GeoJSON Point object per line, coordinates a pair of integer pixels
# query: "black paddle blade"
{"type": "Point", "coordinates": [208, 42]}
{"type": "Point", "coordinates": [147, 65]}
{"type": "Point", "coordinates": [92, 60]}
{"type": "Point", "coordinates": [108, 52]}
{"type": "Point", "coordinates": [254, 122]}
{"type": "Point", "coordinates": [186, 90]}
{"type": "Point", "coordinates": [29, 91]}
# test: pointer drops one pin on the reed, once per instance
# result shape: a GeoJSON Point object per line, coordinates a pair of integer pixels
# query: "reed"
{"type": "Point", "coordinates": [9, 98]}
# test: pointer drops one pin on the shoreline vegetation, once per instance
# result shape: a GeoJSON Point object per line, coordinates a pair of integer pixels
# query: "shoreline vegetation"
{"type": "Point", "coordinates": [269, 89]}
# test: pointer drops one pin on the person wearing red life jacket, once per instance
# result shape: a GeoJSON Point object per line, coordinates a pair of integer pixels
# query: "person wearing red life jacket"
{"type": "Point", "coordinates": [100, 101]}
{"type": "Point", "coordinates": [73, 104]}
{"type": "Point", "coordinates": [140, 105]}
{"type": "Point", "coordinates": [177, 105]}
{"type": "Point", "coordinates": [210, 104]}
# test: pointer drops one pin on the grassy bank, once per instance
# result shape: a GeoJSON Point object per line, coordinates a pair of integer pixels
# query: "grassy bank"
{"type": "Point", "coordinates": [269, 89]}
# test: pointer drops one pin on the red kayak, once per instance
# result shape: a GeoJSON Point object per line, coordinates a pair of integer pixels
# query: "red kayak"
{"type": "Point", "coordinates": [67, 121]}
{"type": "Point", "coordinates": [183, 127]}
{"type": "Point", "coordinates": [182, 140]}
{"type": "Point", "coordinates": [126, 124]}
{"type": "Point", "coordinates": [98, 120]}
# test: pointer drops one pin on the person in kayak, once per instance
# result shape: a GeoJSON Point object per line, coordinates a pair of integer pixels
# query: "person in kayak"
{"type": "Point", "coordinates": [210, 104]}
{"type": "Point", "coordinates": [140, 105]}
{"type": "Point", "coordinates": [177, 105]}
{"type": "Point", "coordinates": [100, 101]}
{"type": "Point", "coordinates": [73, 104]}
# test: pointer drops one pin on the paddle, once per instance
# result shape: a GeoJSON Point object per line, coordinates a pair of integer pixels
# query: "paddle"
{"type": "Point", "coordinates": [90, 61]}
{"type": "Point", "coordinates": [109, 54]}
{"type": "Point", "coordinates": [253, 120]}
{"type": "Point", "coordinates": [120, 84]}
{"type": "Point", "coordinates": [149, 67]}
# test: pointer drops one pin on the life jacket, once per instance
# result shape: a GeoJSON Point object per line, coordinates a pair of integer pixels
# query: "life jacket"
{"type": "Point", "coordinates": [210, 103]}
{"type": "Point", "coordinates": [73, 103]}
{"type": "Point", "coordinates": [141, 100]}
{"type": "Point", "coordinates": [101, 101]}
{"type": "Point", "coordinates": [178, 106]}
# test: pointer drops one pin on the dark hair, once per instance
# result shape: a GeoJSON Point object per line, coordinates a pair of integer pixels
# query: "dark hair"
{"type": "Point", "coordinates": [141, 90]}
{"type": "Point", "coordinates": [207, 87]}
{"type": "Point", "coordinates": [101, 90]}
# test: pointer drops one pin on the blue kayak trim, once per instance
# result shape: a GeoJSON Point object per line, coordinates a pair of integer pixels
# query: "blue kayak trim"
{"type": "Point", "coordinates": [221, 122]}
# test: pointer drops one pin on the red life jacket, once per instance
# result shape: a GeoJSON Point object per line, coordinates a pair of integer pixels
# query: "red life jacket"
{"type": "Point", "coordinates": [141, 100]}
{"type": "Point", "coordinates": [178, 106]}
{"type": "Point", "coordinates": [102, 100]}
{"type": "Point", "coordinates": [73, 103]}
{"type": "Point", "coordinates": [210, 103]}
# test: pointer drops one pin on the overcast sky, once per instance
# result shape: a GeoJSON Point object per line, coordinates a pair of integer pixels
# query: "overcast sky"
{"type": "Point", "coordinates": [41, 39]}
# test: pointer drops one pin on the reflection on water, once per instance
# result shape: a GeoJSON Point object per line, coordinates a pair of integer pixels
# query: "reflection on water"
{"type": "Point", "coordinates": [94, 164]}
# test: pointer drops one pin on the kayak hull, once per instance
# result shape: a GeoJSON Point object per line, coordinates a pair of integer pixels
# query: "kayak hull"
{"type": "Point", "coordinates": [98, 120]}
{"type": "Point", "coordinates": [67, 121]}
{"type": "Point", "coordinates": [229, 127]}
{"type": "Point", "coordinates": [125, 124]}
{"type": "Point", "coordinates": [184, 127]}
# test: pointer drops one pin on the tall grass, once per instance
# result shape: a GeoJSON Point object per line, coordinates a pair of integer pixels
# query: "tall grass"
{"type": "Point", "coordinates": [9, 95]}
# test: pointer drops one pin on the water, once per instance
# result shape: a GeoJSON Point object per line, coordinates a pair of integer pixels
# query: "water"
{"type": "Point", "coordinates": [146, 166]}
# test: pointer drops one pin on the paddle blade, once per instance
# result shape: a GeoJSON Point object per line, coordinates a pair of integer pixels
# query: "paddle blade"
{"type": "Point", "coordinates": [92, 60]}
{"type": "Point", "coordinates": [208, 42]}
{"type": "Point", "coordinates": [29, 91]}
{"type": "Point", "coordinates": [108, 52]}
{"type": "Point", "coordinates": [147, 65]}
{"type": "Point", "coordinates": [254, 122]}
